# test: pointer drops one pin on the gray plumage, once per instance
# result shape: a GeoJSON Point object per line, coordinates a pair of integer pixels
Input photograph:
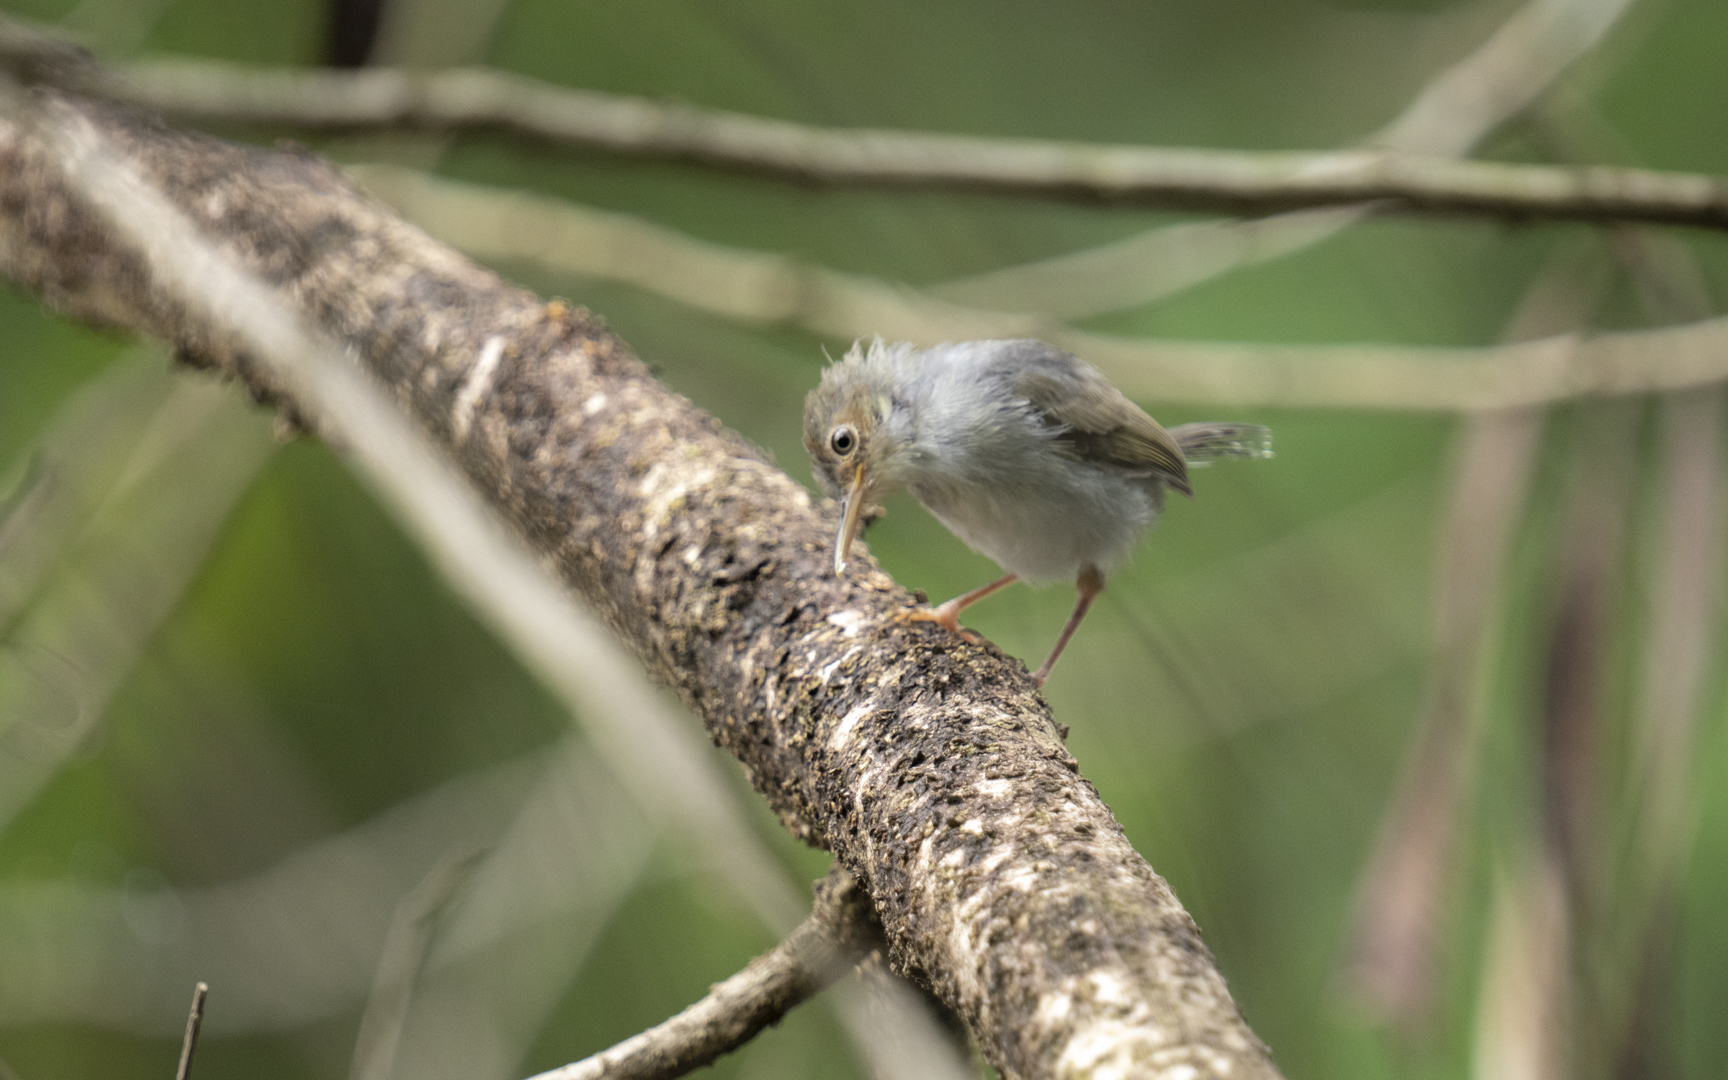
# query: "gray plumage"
{"type": "Point", "coordinates": [1025, 452]}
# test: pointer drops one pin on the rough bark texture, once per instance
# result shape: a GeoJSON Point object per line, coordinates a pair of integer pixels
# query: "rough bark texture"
{"type": "Point", "coordinates": [930, 766]}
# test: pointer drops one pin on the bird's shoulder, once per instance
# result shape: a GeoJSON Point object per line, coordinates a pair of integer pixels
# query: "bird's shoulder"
{"type": "Point", "coordinates": [1096, 421]}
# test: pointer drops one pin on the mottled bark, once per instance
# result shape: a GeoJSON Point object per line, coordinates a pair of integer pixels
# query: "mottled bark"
{"type": "Point", "coordinates": [928, 764]}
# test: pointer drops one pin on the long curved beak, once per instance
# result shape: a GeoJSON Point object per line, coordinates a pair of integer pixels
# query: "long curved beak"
{"type": "Point", "coordinates": [849, 520]}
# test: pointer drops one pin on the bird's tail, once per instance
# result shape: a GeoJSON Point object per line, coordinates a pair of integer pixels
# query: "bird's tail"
{"type": "Point", "coordinates": [1201, 443]}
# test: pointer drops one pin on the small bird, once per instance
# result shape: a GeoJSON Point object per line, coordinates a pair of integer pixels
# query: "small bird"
{"type": "Point", "coordinates": [1025, 452]}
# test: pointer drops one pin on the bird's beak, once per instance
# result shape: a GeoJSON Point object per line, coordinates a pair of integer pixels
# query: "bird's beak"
{"type": "Point", "coordinates": [849, 520]}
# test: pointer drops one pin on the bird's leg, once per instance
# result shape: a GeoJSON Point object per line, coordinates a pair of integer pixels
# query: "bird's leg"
{"type": "Point", "coordinates": [948, 613]}
{"type": "Point", "coordinates": [1089, 585]}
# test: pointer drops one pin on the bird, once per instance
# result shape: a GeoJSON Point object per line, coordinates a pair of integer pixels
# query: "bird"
{"type": "Point", "coordinates": [1025, 452]}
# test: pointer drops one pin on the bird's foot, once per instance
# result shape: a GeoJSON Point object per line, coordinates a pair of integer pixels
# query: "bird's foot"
{"type": "Point", "coordinates": [943, 615]}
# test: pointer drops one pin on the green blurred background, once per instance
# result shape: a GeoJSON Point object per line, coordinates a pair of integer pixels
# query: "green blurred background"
{"type": "Point", "coordinates": [254, 718]}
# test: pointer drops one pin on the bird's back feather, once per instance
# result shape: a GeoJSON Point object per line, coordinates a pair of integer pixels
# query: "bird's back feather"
{"type": "Point", "coordinates": [1099, 424]}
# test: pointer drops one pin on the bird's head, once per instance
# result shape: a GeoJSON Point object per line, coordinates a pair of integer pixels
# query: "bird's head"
{"type": "Point", "coordinates": [855, 430]}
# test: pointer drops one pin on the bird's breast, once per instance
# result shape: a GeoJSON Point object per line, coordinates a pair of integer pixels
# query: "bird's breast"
{"type": "Point", "coordinates": [1045, 526]}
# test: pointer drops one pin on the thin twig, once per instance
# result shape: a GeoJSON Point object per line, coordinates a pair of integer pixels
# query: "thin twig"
{"type": "Point", "coordinates": [838, 933]}
{"type": "Point", "coordinates": [1237, 182]}
{"type": "Point", "coordinates": [754, 286]}
{"type": "Point", "coordinates": [194, 1021]}
{"type": "Point", "coordinates": [1487, 86]}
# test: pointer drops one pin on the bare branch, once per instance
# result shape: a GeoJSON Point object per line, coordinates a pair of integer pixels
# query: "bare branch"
{"type": "Point", "coordinates": [194, 1021]}
{"type": "Point", "coordinates": [1487, 86]}
{"type": "Point", "coordinates": [837, 934]}
{"type": "Point", "coordinates": [1236, 182]}
{"type": "Point", "coordinates": [757, 286]}
{"type": "Point", "coordinates": [928, 764]}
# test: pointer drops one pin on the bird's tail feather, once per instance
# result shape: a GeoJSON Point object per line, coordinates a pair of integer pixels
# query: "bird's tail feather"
{"type": "Point", "coordinates": [1211, 442]}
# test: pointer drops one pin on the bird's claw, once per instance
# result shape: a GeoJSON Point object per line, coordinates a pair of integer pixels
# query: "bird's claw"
{"type": "Point", "coordinates": [939, 615]}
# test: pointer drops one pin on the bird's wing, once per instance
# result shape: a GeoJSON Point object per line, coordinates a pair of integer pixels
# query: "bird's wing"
{"type": "Point", "coordinates": [1099, 424]}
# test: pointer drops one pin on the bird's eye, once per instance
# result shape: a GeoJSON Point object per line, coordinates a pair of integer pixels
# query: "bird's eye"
{"type": "Point", "coordinates": [843, 440]}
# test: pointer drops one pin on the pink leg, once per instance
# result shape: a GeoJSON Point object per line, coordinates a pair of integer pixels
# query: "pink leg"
{"type": "Point", "coordinates": [1089, 585]}
{"type": "Point", "coordinates": [948, 613]}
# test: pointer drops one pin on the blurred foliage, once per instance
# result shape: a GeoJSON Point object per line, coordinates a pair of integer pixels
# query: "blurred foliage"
{"type": "Point", "coordinates": [1244, 697]}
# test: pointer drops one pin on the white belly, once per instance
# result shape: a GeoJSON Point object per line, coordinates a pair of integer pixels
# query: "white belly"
{"type": "Point", "coordinates": [1093, 520]}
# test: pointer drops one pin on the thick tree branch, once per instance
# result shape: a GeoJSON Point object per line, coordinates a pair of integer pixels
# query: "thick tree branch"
{"type": "Point", "coordinates": [839, 932]}
{"type": "Point", "coordinates": [1229, 181]}
{"type": "Point", "coordinates": [928, 764]}
{"type": "Point", "coordinates": [523, 604]}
